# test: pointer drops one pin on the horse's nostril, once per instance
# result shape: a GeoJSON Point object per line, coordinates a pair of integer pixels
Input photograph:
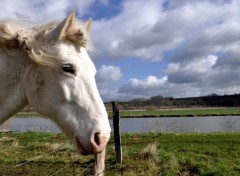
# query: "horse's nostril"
{"type": "Point", "coordinates": [99, 142]}
{"type": "Point", "coordinates": [97, 138]}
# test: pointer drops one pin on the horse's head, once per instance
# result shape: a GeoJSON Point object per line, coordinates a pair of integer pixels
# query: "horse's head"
{"type": "Point", "coordinates": [60, 82]}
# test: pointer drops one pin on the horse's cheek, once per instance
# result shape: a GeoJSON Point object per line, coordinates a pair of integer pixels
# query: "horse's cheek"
{"type": "Point", "coordinates": [35, 84]}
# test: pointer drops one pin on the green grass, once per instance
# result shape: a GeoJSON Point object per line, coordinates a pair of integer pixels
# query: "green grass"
{"type": "Point", "coordinates": [190, 112]}
{"type": "Point", "coordinates": [31, 114]}
{"type": "Point", "coordinates": [181, 112]}
{"type": "Point", "coordinates": [143, 154]}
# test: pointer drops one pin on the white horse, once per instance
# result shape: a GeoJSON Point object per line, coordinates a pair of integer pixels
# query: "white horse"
{"type": "Point", "coordinates": [48, 67]}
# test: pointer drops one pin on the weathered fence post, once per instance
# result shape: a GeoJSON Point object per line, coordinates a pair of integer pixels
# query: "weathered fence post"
{"type": "Point", "coordinates": [99, 167]}
{"type": "Point", "coordinates": [116, 128]}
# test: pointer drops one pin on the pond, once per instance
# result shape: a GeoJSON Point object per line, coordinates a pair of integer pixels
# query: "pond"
{"type": "Point", "coordinates": [140, 125]}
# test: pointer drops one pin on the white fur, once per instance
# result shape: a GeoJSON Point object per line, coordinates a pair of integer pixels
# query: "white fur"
{"type": "Point", "coordinates": [71, 101]}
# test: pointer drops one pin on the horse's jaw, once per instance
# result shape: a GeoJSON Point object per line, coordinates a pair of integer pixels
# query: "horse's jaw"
{"type": "Point", "coordinates": [86, 141]}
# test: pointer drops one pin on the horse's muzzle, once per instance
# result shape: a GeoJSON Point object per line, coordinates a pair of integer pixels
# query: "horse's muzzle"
{"type": "Point", "coordinates": [98, 142]}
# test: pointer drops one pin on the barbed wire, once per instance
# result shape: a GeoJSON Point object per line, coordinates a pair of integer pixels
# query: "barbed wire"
{"type": "Point", "coordinates": [67, 165]}
{"type": "Point", "coordinates": [85, 169]}
{"type": "Point", "coordinates": [118, 169]}
{"type": "Point", "coordinates": [38, 157]}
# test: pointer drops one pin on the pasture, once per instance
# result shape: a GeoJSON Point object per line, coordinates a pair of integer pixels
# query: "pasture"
{"type": "Point", "coordinates": [34, 153]}
{"type": "Point", "coordinates": [184, 112]}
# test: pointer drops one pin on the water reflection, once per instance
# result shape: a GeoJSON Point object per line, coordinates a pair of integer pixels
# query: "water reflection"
{"type": "Point", "coordinates": [182, 124]}
{"type": "Point", "coordinates": [30, 124]}
{"type": "Point", "coordinates": [230, 124]}
{"type": "Point", "coordinates": [139, 125]}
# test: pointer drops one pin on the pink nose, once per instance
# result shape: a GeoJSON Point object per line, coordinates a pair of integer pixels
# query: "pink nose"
{"type": "Point", "coordinates": [98, 142]}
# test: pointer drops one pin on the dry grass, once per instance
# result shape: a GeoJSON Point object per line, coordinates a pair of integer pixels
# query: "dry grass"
{"type": "Point", "coordinates": [150, 152]}
{"type": "Point", "coordinates": [6, 139]}
{"type": "Point", "coordinates": [54, 146]}
{"type": "Point", "coordinates": [15, 143]}
{"type": "Point", "coordinates": [143, 154]}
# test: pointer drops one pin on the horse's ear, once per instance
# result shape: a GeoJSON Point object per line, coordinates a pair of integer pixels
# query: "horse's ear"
{"type": "Point", "coordinates": [88, 25]}
{"type": "Point", "coordinates": [61, 31]}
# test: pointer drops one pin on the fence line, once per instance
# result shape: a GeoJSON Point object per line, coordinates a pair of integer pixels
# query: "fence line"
{"type": "Point", "coordinates": [85, 169]}
{"type": "Point", "coordinates": [63, 167]}
{"type": "Point", "coordinates": [38, 157]}
{"type": "Point", "coordinates": [117, 133]}
{"type": "Point", "coordinates": [117, 140]}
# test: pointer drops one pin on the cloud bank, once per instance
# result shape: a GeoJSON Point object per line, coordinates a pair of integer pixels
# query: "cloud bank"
{"type": "Point", "coordinates": [197, 41]}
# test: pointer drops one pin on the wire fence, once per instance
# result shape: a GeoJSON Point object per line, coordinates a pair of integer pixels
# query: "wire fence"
{"type": "Point", "coordinates": [35, 160]}
{"type": "Point", "coordinates": [75, 165]}
{"type": "Point", "coordinates": [49, 163]}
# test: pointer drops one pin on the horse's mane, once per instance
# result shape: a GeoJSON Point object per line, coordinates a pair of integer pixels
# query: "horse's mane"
{"type": "Point", "coordinates": [36, 41]}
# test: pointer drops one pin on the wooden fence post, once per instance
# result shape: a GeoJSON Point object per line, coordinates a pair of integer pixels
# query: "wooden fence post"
{"type": "Point", "coordinates": [116, 128]}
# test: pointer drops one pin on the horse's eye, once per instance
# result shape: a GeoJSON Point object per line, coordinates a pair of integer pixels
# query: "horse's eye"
{"type": "Point", "coordinates": [69, 68]}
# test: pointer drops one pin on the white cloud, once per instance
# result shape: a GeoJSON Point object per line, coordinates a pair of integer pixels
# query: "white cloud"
{"type": "Point", "coordinates": [147, 29]}
{"type": "Point", "coordinates": [192, 71]}
{"type": "Point", "coordinates": [107, 78]}
{"type": "Point", "coordinates": [117, 33]}
{"type": "Point", "coordinates": [197, 40]}
{"type": "Point", "coordinates": [198, 77]}
{"type": "Point", "coordinates": [143, 87]}
{"type": "Point", "coordinates": [41, 10]}
{"type": "Point", "coordinates": [108, 74]}
{"type": "Point", "coordinates": [152, 86]}
{"type": "Point", "coordinates": [201, 39]}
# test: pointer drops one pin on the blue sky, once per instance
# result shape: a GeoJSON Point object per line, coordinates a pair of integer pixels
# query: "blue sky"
{"type": "Point", "coordinates": [177, 48]}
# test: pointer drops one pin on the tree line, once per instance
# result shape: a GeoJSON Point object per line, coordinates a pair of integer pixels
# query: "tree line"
{"type": "Point", "coordinates": [212, 100]}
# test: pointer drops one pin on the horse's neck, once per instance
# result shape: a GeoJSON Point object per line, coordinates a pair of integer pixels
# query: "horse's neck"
{"type": "Point", "coordinates": [12, 94]}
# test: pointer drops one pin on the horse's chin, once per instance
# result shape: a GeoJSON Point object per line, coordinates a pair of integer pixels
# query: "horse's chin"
{"type": "Point", "coordinates": [79, 147]}
{"type": "Point", "coordinates": [75, 140]}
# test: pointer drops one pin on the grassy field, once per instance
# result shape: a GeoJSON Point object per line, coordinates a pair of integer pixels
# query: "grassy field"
{"type": "Point", "coordinates": [186, 112]}
{"type": "Point", "coordinates": [157, 154]}
{"type": "Point", "coordinates": [190, 112]}
{"type": "Point", "coordinates": [24, 114]}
